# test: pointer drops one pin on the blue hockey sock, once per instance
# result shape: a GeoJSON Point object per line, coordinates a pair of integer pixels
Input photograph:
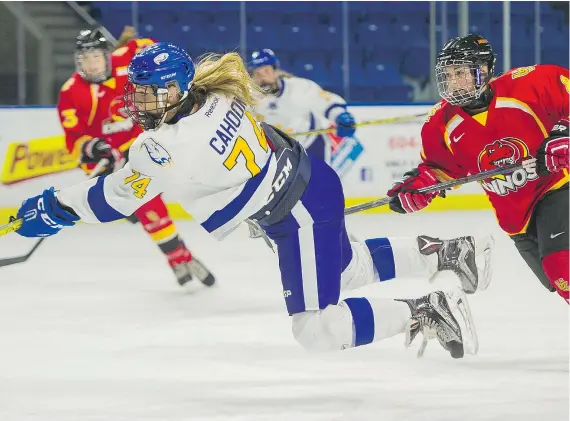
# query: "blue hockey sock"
{"type": "Point", "coordinates": [382, 257]}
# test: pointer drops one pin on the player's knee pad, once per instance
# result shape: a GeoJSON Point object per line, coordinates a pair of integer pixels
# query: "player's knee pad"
{"type": "Point", "coordinates": [360, 271]}
{"type": "Point", "coordinates": [324, 330]}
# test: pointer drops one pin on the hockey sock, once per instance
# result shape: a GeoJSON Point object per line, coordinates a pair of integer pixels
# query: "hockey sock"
{"type": "Point", "coordinates": [555, 266]}
{"type": "Point", "coordinates": [399, 257]}
{"type": "Point", "coordinates": [156, 222]}
{"type": "Point", "coordinates": [374, 319]}
{"type": "Point", "coordinates": [350, 323]}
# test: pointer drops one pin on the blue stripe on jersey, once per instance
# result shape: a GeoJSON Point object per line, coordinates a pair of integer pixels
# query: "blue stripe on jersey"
{"type": "Point", "coordinates": [382, 257]}
{"type": "Point", "coordinates": [98, 204]}
{"type": "Point", "coordinates": [228, 212]}
{"type": "Point", "coordinates": [332, 107]}
{"type": "Point", "coordinates": [312, 122]}
{"type": "Point", "coordinates": [362, 319]}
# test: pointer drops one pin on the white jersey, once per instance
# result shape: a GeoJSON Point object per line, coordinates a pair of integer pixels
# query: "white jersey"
{"type": "Point", "coordinates": [216, 162]}
{"type": "Point", "coordinates": [301, 106]}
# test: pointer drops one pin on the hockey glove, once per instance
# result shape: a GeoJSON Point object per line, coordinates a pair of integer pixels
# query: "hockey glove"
{"type": "Point", "coordinates": [345, 125]}
{"type": "Point", "coordinates": [44, 216]}
{"type": "Point", "coordinates": [96, 150]}
{"type": "Point", "coordinates": [552, 155]}
{"type": "Point", "coordinates": [406, 198]}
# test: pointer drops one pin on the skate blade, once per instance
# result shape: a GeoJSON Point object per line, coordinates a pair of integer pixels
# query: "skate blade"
{"type": "Point", "coordinates": [192, 286]}
{"type": "Point", "coordinates": [209, 281]}
{"type": "Point", "coordinates": [459, 306]}
{"type": "Point", "coordinates": [485, 246]}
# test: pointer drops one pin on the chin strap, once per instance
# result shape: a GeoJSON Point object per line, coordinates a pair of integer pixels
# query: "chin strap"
{"type": "Point", "coordinates": [483, 101]}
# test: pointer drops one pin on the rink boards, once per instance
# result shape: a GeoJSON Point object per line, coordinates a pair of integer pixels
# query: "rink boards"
{"type": "Point", "coordinates": [34, 157]}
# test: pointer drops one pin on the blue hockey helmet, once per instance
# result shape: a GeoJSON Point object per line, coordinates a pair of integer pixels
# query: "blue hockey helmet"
{"type": "Point", "coordinates": [151, 73]}
{"type": "Point", "coordinates": [264, 57]}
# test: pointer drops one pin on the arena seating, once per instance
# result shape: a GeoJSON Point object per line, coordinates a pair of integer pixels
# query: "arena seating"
{"type": "Point", "coordinates": [389, 41]}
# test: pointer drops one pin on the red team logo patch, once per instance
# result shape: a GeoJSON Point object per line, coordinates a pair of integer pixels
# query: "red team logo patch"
{"type": "Point", "coordinates": [119, 121]}
{"type": "Point", "coordinates": [506, 151]}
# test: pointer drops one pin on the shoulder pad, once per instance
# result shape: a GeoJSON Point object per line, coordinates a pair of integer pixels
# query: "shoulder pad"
{"type": "Point", "coordinates": [120, 51]}
{"type": "Point", "coordinates": [434, 110]}
{"type": "Point", "coordinates": [68, 84]}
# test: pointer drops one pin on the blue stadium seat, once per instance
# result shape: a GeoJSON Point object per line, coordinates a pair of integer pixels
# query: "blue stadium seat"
{"type": "Point", "coordinates": [372, 34]}
{"type": "Point", "coordinates": [313, 70]}
{"type": "Point", "coordinates": [557, 56]}
{"type": "Point", "coordinates": [327, 37]}
{"type": "Point", "coordinates": [386, 39]}
{"type": "Point", "coordinates": [316, 55]}
{"type": "Point", "coordinates": [116, 20]}
{"type": "Point", "coordinates": [416, 63]}
{"type": "Point", "coordinates": [382, 74]}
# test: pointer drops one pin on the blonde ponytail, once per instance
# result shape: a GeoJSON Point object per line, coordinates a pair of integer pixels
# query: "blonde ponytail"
{"type": "Point", "coordinates": [226, 74]}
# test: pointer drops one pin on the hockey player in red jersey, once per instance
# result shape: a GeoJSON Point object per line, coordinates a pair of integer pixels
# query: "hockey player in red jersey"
{"type": "Point", "coordinates": [483, 123]}
{"type": "Point", "coordinates": [92, 113]}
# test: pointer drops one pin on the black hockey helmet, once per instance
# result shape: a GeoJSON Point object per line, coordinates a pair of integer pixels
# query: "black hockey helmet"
{"type": "Point", "coordinates": [464, 68]}
{"type": "Point", "coordinates": [91, 48]}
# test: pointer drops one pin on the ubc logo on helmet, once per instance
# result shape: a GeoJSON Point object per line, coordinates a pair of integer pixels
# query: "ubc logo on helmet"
{"type": "Point", "coordinates": [160, 58]}
{"type": "Point", "coordinates": [502, 152]}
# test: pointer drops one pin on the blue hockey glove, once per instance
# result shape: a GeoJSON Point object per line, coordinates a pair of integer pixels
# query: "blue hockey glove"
{"type": "Point", "coordinates": [43, 216]}
{"type": "Point", "coordinates": [345, 125]}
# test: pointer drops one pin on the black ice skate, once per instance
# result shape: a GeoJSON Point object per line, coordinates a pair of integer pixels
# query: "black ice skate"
{"type": "Point", "coordinates": [186, 267]}
{"type": "Point", "coordinates": [199, 271]}
{"type": "Point", "coordinates": [458, 255]}
{"type": "Point", "coordinates": [445, 316]}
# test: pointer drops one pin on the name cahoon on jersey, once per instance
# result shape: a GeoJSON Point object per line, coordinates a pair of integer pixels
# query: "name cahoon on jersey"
{"type": "Point", "coordinates": [184, 160]}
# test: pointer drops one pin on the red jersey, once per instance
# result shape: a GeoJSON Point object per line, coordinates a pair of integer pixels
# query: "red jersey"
{"type": "Point", "coordinates": [89, 110]}
{"type": "Point", "coordinates": [527, 103]}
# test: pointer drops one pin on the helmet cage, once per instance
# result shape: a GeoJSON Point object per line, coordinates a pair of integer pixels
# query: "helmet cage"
{"type": "Point", "coordinates": [98, 78]}
{"type": "Point", "coordinates": [460, 81]}
{"type": "Point", "coordinates": [147, 105]}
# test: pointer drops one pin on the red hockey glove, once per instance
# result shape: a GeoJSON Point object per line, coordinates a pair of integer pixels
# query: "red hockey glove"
{"type": "Point", "coordinates": [406, 198]}
{"type": "Point", "coordinates": [552, 155]}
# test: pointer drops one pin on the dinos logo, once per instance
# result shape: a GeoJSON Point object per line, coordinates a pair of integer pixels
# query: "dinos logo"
{"type": "Point", "coordinates": [502, 152]}
{"type": "Point", "coordinates": [119, 120]}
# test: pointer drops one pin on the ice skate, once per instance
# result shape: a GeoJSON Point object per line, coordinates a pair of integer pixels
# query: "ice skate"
{"type": "Point", "coordinates": [459, 255]}
{"type": "Point", "coordinates": [186, 267]}
{"type": "Point", "coordinates": [445, 316]}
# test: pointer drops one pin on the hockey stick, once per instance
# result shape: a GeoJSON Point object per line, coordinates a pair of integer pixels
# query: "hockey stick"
{"type": "Point", "coordinates": [441, 186]}
{"type": "Point", "coordinates": [384, 201]}
{"type": "Point", "coordinates": [16, 224]}
{"type": "Point", "coordinates": [364, 123]}
{"type": "Point", "coordinates": [20, 259]}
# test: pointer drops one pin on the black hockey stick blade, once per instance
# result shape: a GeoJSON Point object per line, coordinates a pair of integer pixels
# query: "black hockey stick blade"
{"type": "Point", "coordinates": [21, 259]}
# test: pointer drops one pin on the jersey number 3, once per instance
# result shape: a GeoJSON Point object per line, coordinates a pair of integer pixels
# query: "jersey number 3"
{"type": "Point", "coordinates": [241, 147]}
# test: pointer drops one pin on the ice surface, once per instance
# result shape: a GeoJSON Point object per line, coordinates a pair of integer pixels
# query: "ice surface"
{"type": "Point", "coordinates": [94, 327]}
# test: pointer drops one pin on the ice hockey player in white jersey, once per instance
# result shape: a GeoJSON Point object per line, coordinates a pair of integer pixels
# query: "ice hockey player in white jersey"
{"type": "Point", "coordinates": [298, 105]}
{"type": "Point", "coordinates": [202, 145]}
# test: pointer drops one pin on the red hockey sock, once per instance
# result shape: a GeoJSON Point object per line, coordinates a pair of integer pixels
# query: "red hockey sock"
{"type": "Point", "coordinates": [155, 220]}
{"type": "Point", "coordinates": [556, 267]}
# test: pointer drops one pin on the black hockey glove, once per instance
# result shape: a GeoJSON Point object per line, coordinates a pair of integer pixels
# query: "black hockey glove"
{"type": "Point", "coordinates": [99, 151]}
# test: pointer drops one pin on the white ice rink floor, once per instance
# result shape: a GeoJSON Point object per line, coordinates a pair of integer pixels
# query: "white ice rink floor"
{"type": "Point", "coordinates": [95, 328]}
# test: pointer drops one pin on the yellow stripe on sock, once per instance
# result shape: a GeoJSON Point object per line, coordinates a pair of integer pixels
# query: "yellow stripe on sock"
{"type": "Point", "coordinates": [164, 234]}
